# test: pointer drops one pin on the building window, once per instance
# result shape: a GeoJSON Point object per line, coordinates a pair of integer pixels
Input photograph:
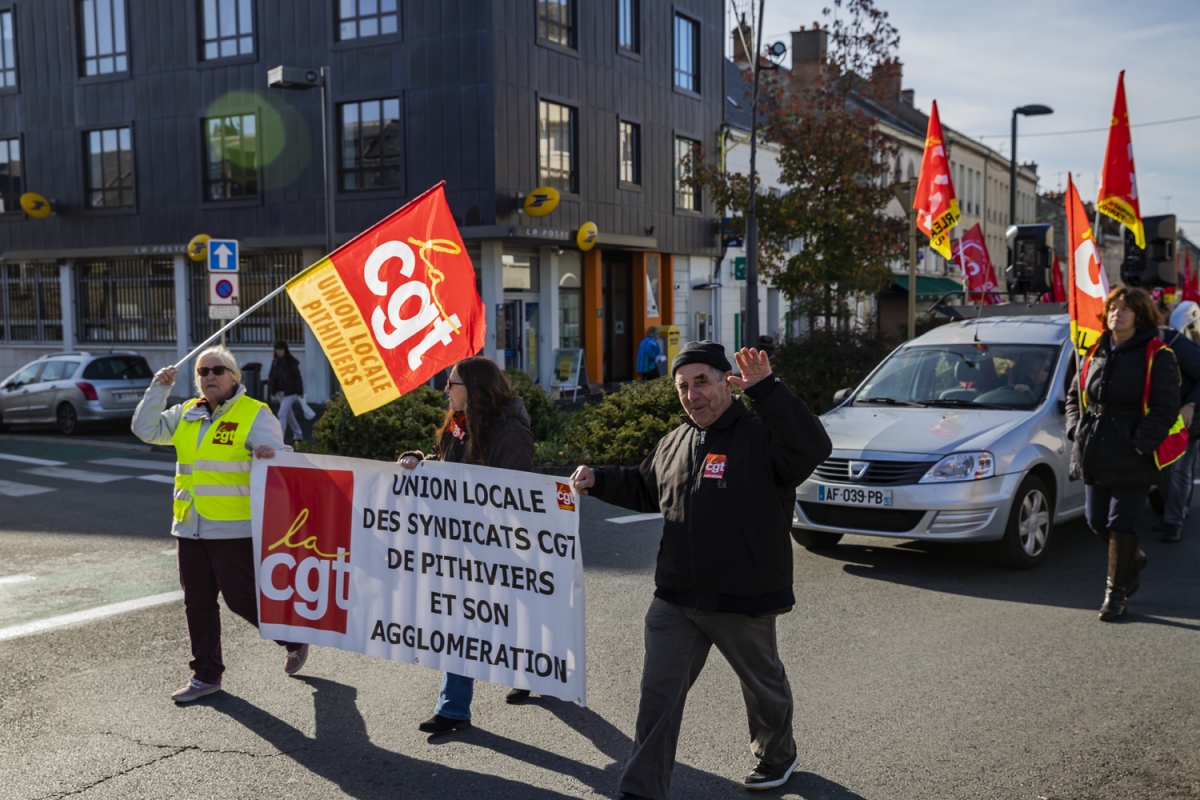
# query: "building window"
{"type": "Point", "coordinates": [361, 18]}
{"type": "Point", "coordinates": [231, 157]}
{"type": "Point", "coordinates": [687, 196]}
{"type": "Point", "coordinates": [8, 55]}
{"type": "Point", "coordinates": [556, 147]}
{"type": "Point", "coordinates": [570, 302]}
{"type": "Point", "coordinates": [32, 302]}
{"type": "Point", "coordinates": [228, 27]}
{"type": "Point", "coordinates": [687, 54]}
{"type": "Point", "coordinates": [629, 33]}
{"type": "Point", "coordinates": [631, 153]}
{"type": "Point", "coordinates": [556, 21]}
{"type": "Point", "coordinates": [370, 144]}
{"type": "Point", "coordinates": [10, 176]}
{"type": "Point", "coordinates": [110, 168]}
{"type": "Point", "coordinates": [102, 26]}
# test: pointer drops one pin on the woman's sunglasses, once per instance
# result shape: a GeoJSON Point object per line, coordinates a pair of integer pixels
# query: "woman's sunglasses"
{"type": "Point", "coordinates": [218, 371]}
{"type": "Point", "coordinates": [453, 383]}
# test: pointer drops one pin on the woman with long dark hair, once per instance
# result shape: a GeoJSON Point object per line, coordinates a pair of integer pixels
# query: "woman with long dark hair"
{"type": "Point", "coordinates": [487, 425]}
{"type": "Point", "coordinates": [1123, 415]}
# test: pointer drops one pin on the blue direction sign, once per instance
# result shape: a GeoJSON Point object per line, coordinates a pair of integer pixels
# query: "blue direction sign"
{"type": "Point", "coordinates": [222, 255]}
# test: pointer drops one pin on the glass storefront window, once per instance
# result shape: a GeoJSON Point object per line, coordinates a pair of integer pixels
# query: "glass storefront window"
{"type": "Point", "coordinates": [520, 273]}
{"type": "Point", "coordinates": [570, 306]}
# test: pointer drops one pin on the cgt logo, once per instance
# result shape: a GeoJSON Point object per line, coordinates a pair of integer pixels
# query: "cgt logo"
{"type": "Point", "coordinates": [304, 574]}
{"type": "Point", "coordinates": [714, 466]}
{"type": "Point", "coordinates": [225, 433]}
{"type": "Point", "coordinates": [566, 500]}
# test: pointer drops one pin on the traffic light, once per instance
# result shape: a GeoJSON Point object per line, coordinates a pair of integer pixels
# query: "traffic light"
{"type": "Point", "coordinates": [1154, 266]}
{"type": "Point", "coordinates": [1030, 258]}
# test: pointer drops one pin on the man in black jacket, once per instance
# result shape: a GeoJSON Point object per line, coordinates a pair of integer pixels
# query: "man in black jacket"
{"type": "Point", "coordinates": [725, 482]}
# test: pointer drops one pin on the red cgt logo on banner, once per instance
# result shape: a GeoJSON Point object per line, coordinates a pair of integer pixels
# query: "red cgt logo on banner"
{"type": "Point", "coordinates": [394, 305]}
{"type": "Point", "coordinates": [303, 576]}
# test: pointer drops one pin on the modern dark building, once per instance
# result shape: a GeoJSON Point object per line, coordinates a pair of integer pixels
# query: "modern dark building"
{"type": "Point", "coordinates": [146, 122]}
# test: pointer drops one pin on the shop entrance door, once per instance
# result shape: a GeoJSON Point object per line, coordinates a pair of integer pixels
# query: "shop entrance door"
{"type": "Point", "coordinates": [617, 278]}
{"type": "Point", "coordinates": [521, 334]}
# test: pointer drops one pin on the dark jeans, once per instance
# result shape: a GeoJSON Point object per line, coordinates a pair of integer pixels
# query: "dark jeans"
{"type": "Point", "coordinates": [1179, 496]}
{"type": "Point", "coordinates": [206, 567]}
{"type": "Point", "coordinates": [1114, 508]}
{"type": "Point", "coordinates": [678, 641]}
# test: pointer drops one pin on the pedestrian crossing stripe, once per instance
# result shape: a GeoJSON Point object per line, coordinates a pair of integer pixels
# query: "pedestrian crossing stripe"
{"type": "Point", "coordinates": [85, 476]}
{"type": "Point", "coordinates": [41, 462]}
{"type": "Point", "coordinates": [13, 489]}
{"type": "Point", "coordinates": [136, 463]}
{"type": "Point", "coordinates": [158, 478]}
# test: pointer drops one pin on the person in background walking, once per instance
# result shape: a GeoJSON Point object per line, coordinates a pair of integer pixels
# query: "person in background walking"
{"type": "Point", "coordinates": [725, 483]}
{"type": "Point", "coordinates": [285, 382]}
{"type": "Point", "coordinates": [486, 424]}
{"type": "Point", "coordinates": [1123, 416]}
{"type": "Point", "coordinates": [212, 503]}
{"type": "Point", "coordinates": [1182, 472]}
{"type": "Point", "coordinates": [647, 355]}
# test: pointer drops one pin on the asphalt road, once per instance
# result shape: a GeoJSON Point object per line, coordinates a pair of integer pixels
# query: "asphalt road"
{"type": "Point", "coordinates": [919, 672]}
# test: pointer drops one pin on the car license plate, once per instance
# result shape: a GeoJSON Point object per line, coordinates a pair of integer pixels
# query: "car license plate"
{"type": "Point", "coordinates": [126, 397]}
{"type": "Point", "coordinates": [854, 496]}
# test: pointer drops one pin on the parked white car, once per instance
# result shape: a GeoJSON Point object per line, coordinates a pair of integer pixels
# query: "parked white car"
{"type": "Point", "coordinates": [957, 436]}
{"type": "Point", "coordinates": [70, 389]}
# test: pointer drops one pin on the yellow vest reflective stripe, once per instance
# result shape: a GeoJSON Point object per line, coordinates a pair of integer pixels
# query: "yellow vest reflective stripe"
{"type": "Point", "coordinates": [215, 473]}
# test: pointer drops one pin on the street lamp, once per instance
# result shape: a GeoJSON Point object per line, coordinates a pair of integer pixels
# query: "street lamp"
{"type": "Point", "coordinates": [297, 78]}
{"type": "Point", "coordinates": [1027, 111]}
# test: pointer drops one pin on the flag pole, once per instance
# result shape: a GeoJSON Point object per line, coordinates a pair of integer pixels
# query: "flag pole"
{"type": "Point", "coordinates": [221, 333]}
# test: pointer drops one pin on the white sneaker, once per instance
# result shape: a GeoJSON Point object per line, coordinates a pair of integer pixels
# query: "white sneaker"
{"type": "Point", "coordinates": [195, 690]}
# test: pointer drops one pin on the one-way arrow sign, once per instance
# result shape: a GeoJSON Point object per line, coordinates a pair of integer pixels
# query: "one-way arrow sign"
{"type": "Point", "coordinates": [222, 255]}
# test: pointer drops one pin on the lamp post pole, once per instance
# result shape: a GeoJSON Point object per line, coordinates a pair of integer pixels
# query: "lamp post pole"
{"type": "Point", "coordinates": [751, 339]}
{"type": "Point", "coordinates": [1012, 171]}
{"type": "Point", "coordinates": [912, 263]}
{"type": "Point", "coordinates": [328, 156]}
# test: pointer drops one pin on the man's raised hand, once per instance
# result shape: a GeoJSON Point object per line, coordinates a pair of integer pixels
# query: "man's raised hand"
{"type": "Point", "coordinates": [754, 364]}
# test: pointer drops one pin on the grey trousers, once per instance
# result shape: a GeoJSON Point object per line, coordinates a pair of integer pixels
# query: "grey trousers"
{"type": "Point", "coordinates": [1179, 496]}
{"type": "Point", "coordinates": [677, 644]}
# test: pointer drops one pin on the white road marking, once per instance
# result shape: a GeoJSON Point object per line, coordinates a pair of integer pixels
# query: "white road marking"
{"type": "Point", "coordinates": [170, 552]}
{"type": "Point", "coordinates": [137, 463]}
{"type": "Point", "coordinates": [87, 616]}
{"type": "Point", "coordinates": [41, 462]}
{"type": "Point", "coordinates": [76, 475]}
{"type": "Point", "coordinates": [158, 478]}
{"type": "Point", "coordinates": [11, 579]}
{"type": "Point", "coordinates": [634, 518]}
{"type": "Point", "coordinates": [10, 489]}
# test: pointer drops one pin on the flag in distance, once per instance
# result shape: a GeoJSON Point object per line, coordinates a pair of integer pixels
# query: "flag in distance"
{"type": "Point", "coordinates": [1190, 288]}
{"type": "Point", "coordinates": [979, 278]}
{"type": "Point", "coordinates": [1058, 291]}
{"type": "Point", "coordinates": [1118, 183]}
{"type": "Point", "coordinates": [394, 305]}
{"type": "Point", "coordinates": [1087, 284]}
{"type": "Point", "coordinates": [935, 201]}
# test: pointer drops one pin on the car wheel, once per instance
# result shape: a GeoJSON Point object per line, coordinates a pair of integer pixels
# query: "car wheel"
{"type": "Point", "coordinates": [815, 540]}
{"type": "Point", "coordinates": [1027, 535]}
{"type": "Point", "coordinates": [68, 420]}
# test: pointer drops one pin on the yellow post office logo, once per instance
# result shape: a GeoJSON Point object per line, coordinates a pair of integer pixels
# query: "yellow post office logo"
{"type": "Point", "coordinates": [35, 205]}
{"type": "Point", "coordinates": [197, 248]}
{"type": "Point", "coordinates": [541, 201]}
{"type": "Point", "coordinates": [586, 238]}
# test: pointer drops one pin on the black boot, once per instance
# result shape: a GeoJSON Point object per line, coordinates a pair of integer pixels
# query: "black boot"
{"type": "Point", "coordinates": [1139, 563]}
{"type": "Point", "coordinates": [1122, 551]}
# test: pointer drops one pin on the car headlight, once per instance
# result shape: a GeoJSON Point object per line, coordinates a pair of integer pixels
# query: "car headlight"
{"type": "Point", "coordinates": [961, 467]}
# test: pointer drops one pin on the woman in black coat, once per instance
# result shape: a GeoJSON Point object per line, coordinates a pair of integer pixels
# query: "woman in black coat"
{"type": "Point", "coordinates": [487, 425]}
{"type": "Point", "coordinates": [1116, 437]}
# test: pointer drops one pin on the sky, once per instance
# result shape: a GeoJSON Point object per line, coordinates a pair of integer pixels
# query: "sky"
{"type": "Point", "coordinates": [980, 60]}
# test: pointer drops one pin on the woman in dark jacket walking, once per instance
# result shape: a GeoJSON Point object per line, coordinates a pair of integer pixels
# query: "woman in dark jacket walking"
{"type": "Point", "coordinates": [285, 382]}
{"type": "Point", "coordinates": [1117, 427]}
{"type": "Point", "coordinates": [487, 425]}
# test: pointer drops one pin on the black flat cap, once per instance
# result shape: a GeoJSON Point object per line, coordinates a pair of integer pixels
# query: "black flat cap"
{"type": "Point", "coordinates": [705, 352]}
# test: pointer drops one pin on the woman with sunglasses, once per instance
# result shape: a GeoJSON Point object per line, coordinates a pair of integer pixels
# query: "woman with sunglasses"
{"type": "Point", "coordinates": [215, 436]}
{"type": "Point", "coordinates": [486, 424]}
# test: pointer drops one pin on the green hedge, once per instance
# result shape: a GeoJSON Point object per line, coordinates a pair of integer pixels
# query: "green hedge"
{"type": "Point", "coordinates": [407, 423]}
{"type": "Point", "coordinates": [623, 427]}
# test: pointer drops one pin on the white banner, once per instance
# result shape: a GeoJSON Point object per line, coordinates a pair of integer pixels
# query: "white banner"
{"type": "Point", "coordinates": [471, 570]}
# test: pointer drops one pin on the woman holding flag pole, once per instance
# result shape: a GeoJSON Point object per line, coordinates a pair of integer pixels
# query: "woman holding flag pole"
{"type": "Point", "coordinates": [486, 424]}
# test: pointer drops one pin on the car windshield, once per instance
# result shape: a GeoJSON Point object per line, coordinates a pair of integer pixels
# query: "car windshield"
{"type": "Point", "coordinates": [1006, 376]}
{"type": "Point", "coordinates": [111, 368]}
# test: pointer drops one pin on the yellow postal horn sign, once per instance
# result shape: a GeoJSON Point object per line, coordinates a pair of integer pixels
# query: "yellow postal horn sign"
{"type": "Point", "coordinates": [35, 205]}
{"type": "Point", "coordinates": [197, 248]}
{"type": "Point", "coordinates": [586, 238]}
{"type": "Point", "coordinates": [541, 201]}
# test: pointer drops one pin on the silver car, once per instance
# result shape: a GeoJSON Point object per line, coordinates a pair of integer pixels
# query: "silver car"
{"type": "Point", "coordinates": [958, 436]}
{"type": "Point", "coordinates": [67, 389]}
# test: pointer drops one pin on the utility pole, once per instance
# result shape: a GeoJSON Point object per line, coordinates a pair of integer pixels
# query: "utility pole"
{"type": "Point", "coordinates": [751, 339]}
{"type": "Point", "coordinates": [904, 192]}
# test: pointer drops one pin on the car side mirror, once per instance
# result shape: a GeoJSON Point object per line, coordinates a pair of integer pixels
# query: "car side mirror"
{"type": "Point", "coordinates": [840, 396]}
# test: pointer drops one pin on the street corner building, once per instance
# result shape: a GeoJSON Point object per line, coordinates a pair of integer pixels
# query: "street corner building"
{"type": "Point", "coordinates": [143, 123]}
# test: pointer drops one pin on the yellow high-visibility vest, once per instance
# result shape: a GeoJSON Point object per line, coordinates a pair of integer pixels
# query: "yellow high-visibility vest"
{"type": "Point", "coordinates": [215, 473]}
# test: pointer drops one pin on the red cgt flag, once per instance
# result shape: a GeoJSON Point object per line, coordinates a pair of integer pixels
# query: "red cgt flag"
{"type": "Point", "coordinates": [1059, 292]}
{"type": "Point", "coordinates": [970, 253]}
{"type": "Point", "coordinates": [935, 201]}
{"type": "Point", "coordinates": [1190, 288]}
{"type": "Point", "coordinates": [1118, 183]}
{"type": "Point", "coordinates": [394, 305]}
{"type": "Point", "coordinates": [1087, 284]}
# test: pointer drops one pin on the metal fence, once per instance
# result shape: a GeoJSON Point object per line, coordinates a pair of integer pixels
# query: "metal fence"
{"type": "Point", "coordinates": [258, 274]}
{"type": "Point", "coordinates": [126, 300]}
{"type": "Point", "coordinates": [30, 299]}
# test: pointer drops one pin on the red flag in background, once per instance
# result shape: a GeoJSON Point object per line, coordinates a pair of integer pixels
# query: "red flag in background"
{"type": "Point", "coordinates": [1190, 285]}
{"type": "Point", "coordinates": [394, 305]}
{"type": "Point", "coordinates": [935, 201]}
{"type": "Point", "coordinates": [979, 279]}
{"type": "Point", "coordinates": [1059, 294]}
{"type": "Point", "coordinates": [1118, 183]}
{"type": "Point", "coordinates": [1087, 283]}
